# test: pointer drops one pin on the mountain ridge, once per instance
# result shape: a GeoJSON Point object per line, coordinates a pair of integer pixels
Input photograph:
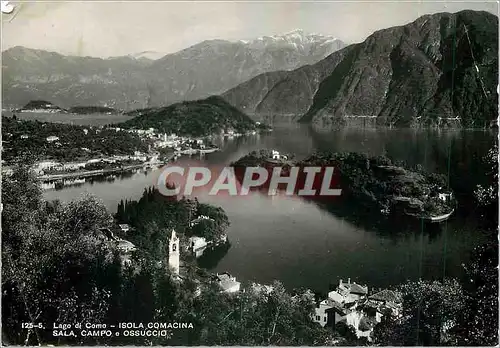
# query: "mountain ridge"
{"type": "Point", "coordinates": [137, 81]}
{"type": "Point", "coordinates": [401, 74]}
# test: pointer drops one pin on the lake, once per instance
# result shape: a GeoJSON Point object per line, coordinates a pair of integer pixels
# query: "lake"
{"type": "Point", "coordinates": [97, 119]}
{"type": "Point", "coordinates": [305, 245]}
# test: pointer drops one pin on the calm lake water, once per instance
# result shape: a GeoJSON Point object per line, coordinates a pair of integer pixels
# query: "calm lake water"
{"type": "Point", "coordinates": [304, 245]}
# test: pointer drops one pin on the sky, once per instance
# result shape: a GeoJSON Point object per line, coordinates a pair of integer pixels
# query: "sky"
{"type": "Point", "coordinates": [104, 29]}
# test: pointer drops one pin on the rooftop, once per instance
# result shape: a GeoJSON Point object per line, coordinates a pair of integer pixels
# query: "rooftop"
{"type": "Point", "coordinates": [353, 288]}
{"type": "Point", "coordinates": [386, 296]}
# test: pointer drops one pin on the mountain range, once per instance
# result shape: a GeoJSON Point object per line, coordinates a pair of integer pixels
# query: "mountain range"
{"type": "Point", "coordinates": [144, 80]}
{"type": "Point", "coordinates": [440, 69]}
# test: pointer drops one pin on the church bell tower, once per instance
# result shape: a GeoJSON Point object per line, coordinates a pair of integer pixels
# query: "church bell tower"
{"type": "Point", "coordinates": [173, 253]}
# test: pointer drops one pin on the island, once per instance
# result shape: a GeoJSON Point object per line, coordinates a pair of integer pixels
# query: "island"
{"type": "Point", "coordinates": [41, 106]}
{"type": "Point", "coordinates": [375, 183]}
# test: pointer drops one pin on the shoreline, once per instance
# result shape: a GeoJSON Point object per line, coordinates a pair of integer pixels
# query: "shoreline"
{"type": "Point", "coordinates": [88, 173]}
{"type": "Point", "coordinates": [100, 172]}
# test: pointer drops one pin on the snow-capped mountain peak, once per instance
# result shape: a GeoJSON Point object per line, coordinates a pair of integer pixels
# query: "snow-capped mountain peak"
{"type": "Point", "coordinates": [296, 39]}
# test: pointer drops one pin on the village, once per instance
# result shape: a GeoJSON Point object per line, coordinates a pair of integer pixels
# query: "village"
{"type": "Point", "coordinates": [162, 148]}
{"type": "Point", "coordinates": [351, 304]}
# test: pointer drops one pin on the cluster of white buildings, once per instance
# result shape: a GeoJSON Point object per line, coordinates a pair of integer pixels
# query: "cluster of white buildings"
{"type": "Point", "coordinates": [161, 140]}
{"type": "Point", "coordinates": [42, 166]}
{"type": "Point", "coordinates": [180, 144]}
{"type": "Point", "coordinates": [171, 140]}
{"type": "Point", "coordinates": [351, 304]}
{"type": "Point", "coordinates": [275, 155]}
{"type": "Point", "coordinates": [149, 133]}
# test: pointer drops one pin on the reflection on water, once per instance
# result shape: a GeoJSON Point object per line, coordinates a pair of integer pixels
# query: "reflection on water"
{"type": "Point", "coordinates": [306, 244]}
{"type": "Point", "coordinates": [212, 256]}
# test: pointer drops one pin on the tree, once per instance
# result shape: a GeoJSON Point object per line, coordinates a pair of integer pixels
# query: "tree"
{"type": "Point", "coordinates": [56, 267]}
{"type": "Point", "coordinates": [219, 223]}
{"type": "Point", "coordinates": [431, 310]}
{"type": "Point", "coordinates": [206, 228]}
{"type": "Point", "coordinates": [256, 318]}
{"type": "Point", "coordinates": [347, 333]}
{"type": "Point", "coordinates": [487, 195]}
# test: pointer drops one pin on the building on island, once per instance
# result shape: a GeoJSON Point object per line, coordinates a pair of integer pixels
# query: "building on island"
{"type": "Point", "coordinates": [275, 155]}
{"type": "Point", "coordinates": [124, 228]}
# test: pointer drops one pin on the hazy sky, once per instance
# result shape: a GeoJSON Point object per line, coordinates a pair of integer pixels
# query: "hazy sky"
{"type": "Point", "coordinates": [105, 29]}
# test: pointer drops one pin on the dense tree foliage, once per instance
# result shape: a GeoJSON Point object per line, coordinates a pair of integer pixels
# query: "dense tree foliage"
{"type": "Point", "coordinates": [91, 110]}
{"type": "Point", "coordinates": [487, 195]}
{"type": "Point", "coordinates": [75, 142]}
{"type": "Point", "coordinates": [153, 217]}
{"type": "Point", "coordinates": [58, 267]}
{"type": "Point", "coordinates": [55, 265]}
{"type": "Point", "coordinates": [257, 318]}
{"type": "Point", "coordinates": [374, 180]}
{"type": "Point", "coordinates": [214, 228]}
{"type": "Point", "coordinates": [448, 312]}
{"type": "Point", "coordinates": [193, 118]}
{"type": "Point", "coordinates": [479, 322]}
{"type": "Point", "coordinates": [41, 104]}
{"type": "Point", "coordinates": [430, 314]}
